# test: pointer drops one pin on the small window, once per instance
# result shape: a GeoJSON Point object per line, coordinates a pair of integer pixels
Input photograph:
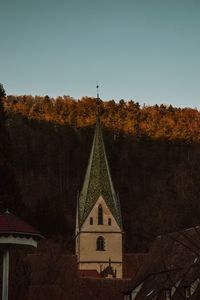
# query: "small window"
{"type": "Point", "coordinates": [109, 221]}
{"type": "Point", "coordinates": [100, 244]}
{"type": "Point", "coordinates": [91, 221]}
{"type": "Point", "coordinates": [187, 292]}
{"type": "Point", "coordinates": [100, 215]}
{"type": "Point", "coordinates": [168, 294]}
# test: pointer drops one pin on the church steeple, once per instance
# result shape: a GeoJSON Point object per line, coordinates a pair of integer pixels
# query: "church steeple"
{"type": "Point", "coordinates": [98, 218]}
{"type": "Point", "coordinates": [98, 181]}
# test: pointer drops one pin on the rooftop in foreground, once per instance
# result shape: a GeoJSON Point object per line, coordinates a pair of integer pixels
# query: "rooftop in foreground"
{"type": "Point", "coordinates": [12, 225]}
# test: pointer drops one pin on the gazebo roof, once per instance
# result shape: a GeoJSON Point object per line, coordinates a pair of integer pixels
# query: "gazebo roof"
{"type": "Point", "coordinates": [12, 225]}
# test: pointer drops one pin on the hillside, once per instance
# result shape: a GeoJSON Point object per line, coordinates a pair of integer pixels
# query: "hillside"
{"type": "Point", "coordinates": [153, 154]}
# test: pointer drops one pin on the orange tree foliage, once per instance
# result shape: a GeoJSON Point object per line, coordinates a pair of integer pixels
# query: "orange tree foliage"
{"type": "Point", "coordinates": [152, 121]}
{"type": "Point", "coordinates": [153, 153]}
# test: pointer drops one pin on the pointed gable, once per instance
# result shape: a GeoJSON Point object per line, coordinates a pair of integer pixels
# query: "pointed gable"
{"type": "Point", "coordinates": [98, 182]}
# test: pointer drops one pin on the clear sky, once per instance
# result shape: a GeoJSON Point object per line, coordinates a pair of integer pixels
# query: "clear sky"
{"type": "Point", "coordinates": [145, 50]}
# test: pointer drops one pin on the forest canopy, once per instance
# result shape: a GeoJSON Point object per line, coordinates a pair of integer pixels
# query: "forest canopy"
{"type": "Point", "coordinates": [153, 153]}
{"type": "Point", "coordinates": [151, 121]}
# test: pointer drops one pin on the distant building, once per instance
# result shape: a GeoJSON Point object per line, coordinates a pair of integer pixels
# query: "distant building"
{"type": "Point", "coordinates": [171, 270]}
{"type": "Point", "coordinates": [98, 219]}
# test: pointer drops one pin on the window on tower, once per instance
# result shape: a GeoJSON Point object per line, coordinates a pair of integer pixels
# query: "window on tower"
{"type": "Point", "coordinates": [100, 244]}
{"type": "Point", "coordinates": [100, 215]}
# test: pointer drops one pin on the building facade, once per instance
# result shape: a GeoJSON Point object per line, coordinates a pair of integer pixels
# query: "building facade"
{"type": "Point", "coordinates": [98, 218]}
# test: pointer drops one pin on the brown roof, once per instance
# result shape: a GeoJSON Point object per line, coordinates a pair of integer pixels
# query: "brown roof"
{"type": "Point", "coordinates": [89, 273]}
{"type": "Point", "coordinates": [107, 289]}
{"type": "Point", "coordinates": [173, 262]}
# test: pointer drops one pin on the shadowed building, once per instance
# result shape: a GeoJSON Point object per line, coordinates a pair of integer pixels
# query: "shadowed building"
{"type": "Point", "coordinates": [171, 269]}
{"type": "Point", "coordinates": [98, 219]}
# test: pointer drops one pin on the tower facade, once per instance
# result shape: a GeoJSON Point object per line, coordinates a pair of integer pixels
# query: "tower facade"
{"type": "Point", "coordinates": [98, 218]}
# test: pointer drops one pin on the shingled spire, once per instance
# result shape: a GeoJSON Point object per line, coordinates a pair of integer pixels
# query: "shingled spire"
{"type": "Point", "coordinates": [98, 217]}
{"type": "Point", "coordinates": [98, 182]}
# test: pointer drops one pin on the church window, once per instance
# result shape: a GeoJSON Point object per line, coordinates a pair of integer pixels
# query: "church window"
{"type": "Point", "coordinates": [109, 221]}
{"type": "Point", "coordinates": [91, 221]}
{"type": "Point", "coordinates": [100, 215]}
{"type": "Point", "coordinates": [100, 244]}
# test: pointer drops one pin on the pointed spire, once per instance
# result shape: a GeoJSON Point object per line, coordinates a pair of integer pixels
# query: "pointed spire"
{"type": "Point", "coordinates": [98, 181]}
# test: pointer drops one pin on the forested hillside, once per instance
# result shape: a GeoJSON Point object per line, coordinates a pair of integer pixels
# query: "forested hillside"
{"type": "Point", "coordinates": [153, 154]}
{"type": "Point", "coordinates": [9, 190]}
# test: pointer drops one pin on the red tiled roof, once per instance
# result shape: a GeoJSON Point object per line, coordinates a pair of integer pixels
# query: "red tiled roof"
{"type": "Point", "coordinates": [89, 273]}
{"type": "Point", "coordinates": [10, 224]}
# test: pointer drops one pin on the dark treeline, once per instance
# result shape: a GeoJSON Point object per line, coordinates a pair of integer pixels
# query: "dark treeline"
{"type": "Point", "coordinates": [9, 190]}
{"type": "Point", "coordinates": [153, 154]}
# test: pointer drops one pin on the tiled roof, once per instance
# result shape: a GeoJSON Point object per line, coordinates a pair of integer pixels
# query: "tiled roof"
{"type": "Point", "coordinates": [98, 182]}
{"type": "Point", "coordinates": [172, 263]}
{"type": "Point", "coordinates": [10, 224]}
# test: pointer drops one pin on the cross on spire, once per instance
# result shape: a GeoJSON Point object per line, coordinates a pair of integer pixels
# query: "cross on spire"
{"type": "Point", "coordinates": [98, 101]}
{"type": "Point", "coordinates": [97, 86]}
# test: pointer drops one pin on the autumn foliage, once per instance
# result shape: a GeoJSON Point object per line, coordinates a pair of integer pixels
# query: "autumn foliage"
{"type": "Point", "coordinates": [153, 153]}
{"type": "Point", "coordinates": [152, 121]}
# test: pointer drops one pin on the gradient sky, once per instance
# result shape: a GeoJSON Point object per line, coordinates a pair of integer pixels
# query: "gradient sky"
{"type": "Point", "coordinates": [145, 50]}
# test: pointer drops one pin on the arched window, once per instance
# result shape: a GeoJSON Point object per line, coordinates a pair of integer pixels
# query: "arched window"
{"type": "Point", "coordinates": [91, 221]}
{"type": "Point", "coordinates": [100, 244]}
{"type": "Point", "coordinates": [100, 215]}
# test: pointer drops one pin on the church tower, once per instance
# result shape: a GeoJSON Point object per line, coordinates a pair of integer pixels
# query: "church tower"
{"type": "Point", "coordinates": [98, 218]}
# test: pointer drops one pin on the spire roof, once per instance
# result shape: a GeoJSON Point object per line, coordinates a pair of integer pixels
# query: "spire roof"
{"type": "Point", "coordinates": [98, 181]}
